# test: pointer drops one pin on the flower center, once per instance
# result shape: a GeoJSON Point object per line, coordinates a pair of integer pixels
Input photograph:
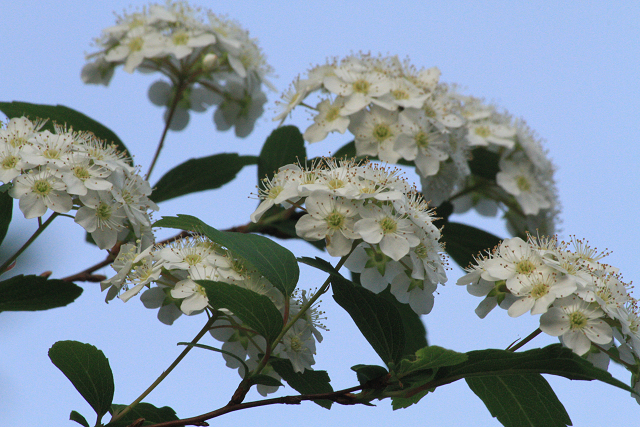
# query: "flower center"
{"type": "Point", "coordinates": [296, 344]}
{"type": "Point", "coordinates": [180, 38]}
{"type": "Point", "coordinates": [429, 111]}
{"type": "Point", "coordinates": [201, 290]}
{"type": "Point", "coordinates": [51, 153]}
{"type": "Point", "coordinates": [422, 140]}
{"type": "Point", "coordinates": [42, 187]}
{"type": "Point", "coordinates": [523, 183]}
{"type": "Point", "coordinates": [193, 259]}
{"type": "Point", "coordinates": [135, 44]}
{"type": "Point", "coordinates": [104, 211]}
{"type": "Point", "coordinates": [525, 267]}
{"type": "Point", "coordinates": [400, 94]}
{"type": "Point", "coordinates": [10, 162]}
{"type": "Point", "coordinates": [361, 86]}
{"type": "Point", "coordinates": [482, 131]}
{"type": "Point", "coordinates": [332, 114]}
{"type": "Point", "coordinates": [577, 320]}
{"type": "Point", "coordinates": [335, 183]}
{"type": "Point", "coordinates": [81, 173]}
{"type": "Point", "coordinates": [335, 220]}
{"type": "Point", "coordinates": [17, 142]}
{"type": "Point", "coordinates": [539, 290]}
{"type": "Point", "coordinates": [274, 191]}
{"type": "Point", "coordinates": [388, 225]}
{"type": "Point", "coordinates": [381, 132]}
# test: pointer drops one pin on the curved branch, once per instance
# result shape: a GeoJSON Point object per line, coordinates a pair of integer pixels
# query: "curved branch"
{"type": "Point", "coordinates": [343, 397]}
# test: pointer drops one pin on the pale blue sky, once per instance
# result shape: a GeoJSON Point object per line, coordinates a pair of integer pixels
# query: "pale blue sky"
{"type": "Point", "coordinates": [570, 69]}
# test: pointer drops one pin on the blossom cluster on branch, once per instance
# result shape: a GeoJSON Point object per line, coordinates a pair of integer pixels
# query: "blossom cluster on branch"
{"type": "Point", "coordinates": [207, 63]}
{"type": "Point", "coordinates": [399, 113]}
{"type": "Point", "coordinates": [67, 170]}
{"type": "Point", "coordinates": [348, 204]}
{"type": "Point", "coordinates": [175, 267]}
{"type": "Point", "coordinates": [581, 299]}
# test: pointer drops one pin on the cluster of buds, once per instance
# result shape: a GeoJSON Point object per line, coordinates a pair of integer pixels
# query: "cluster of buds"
{"type": "Point", "coordinates": [581, 299]}
{"type": "Point", "coordinates": [370, 214]}
{"type": "Point", "coordinates": [396, 112]}
{"type": "Point", "coordinates": [67, 170]}
{"type": "Point", "coordinates": [175, 267]}
{"type": "Point", "coordinates": [207, 63]}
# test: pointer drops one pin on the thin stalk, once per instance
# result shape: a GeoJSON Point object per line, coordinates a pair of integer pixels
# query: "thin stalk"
{"type": "Point", "coordinates": [168, 371]}
{"type": "Point", "coordinates": [34, 236]}
{"type": "Point", "coordinates": [172, 110]}
{"type": "Point", "coordinates": [531, 336]}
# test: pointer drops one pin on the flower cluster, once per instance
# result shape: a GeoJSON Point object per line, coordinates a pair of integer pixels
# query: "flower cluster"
{"type": "Point", "coordinates": [65, 170]}
{"type": "Point", "coordinates": [207, 63]}
{"type": "Point", "coordinates": [175, 268]}
{"type": "Point", "coordinates": [370, 214]}
{"type": "Point", "coordinates": [581, 299]}
{"type": "Point", "coordinates": [397, 112]}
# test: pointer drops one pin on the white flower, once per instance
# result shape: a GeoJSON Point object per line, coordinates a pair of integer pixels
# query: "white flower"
{"type": "Point", "coordinates": [194, 297]}
{"type": "Point", "coordinates": [515, 259]}
{"type": "Point", "coordinates": [394, 232]}
{"type": "Point", "coordinates": [359, 89]}
{"type": "Point", "coordinates": [376, 269]}
{"type": "Point", "coordinates": [38, 191]}
{"type": "Point", "coordinates": [418, 293]}
{"type": "Point", "coordinates": [327, 120]}
{"type": "Point", "coordinates": [518, 179]}
{"type": "Point", "coordinates": [538, 291]}
{"type": "Point", "coordinates": [139, 43]}
{"type": "Point", "coordinates": [376, 131]}
{"type": "Point", "coordinates": [331, 218]}
{"type": "Point", "coordinates": [484, 133]}
{"type": "Point", "coordinates": [299, 346]}
{"type": "Point", "coordinates": [578, 323]}
{"type": "Point", "coordinates": [421, 142]}
{"type": "Point", "coordinates": [102, 217]}
{"type": "Point", "coordinates": [282, 187]}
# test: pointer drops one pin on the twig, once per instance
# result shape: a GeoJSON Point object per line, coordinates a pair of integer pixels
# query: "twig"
{"type": "Point", "coordinates": [343, 397]}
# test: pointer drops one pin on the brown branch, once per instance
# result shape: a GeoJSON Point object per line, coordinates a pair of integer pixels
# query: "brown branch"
{"type": "Point", "coordinates": [343, 397]}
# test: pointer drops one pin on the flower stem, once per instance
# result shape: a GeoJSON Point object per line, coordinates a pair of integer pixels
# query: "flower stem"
{"type": "Point", "coordinates": [531, 336]}
{"type": "Point", "coordinates": [168, 371]}
{"type": "Point", "coordinates": [41, 228]}
{"type": "Point", "coordinates": [172, 109]}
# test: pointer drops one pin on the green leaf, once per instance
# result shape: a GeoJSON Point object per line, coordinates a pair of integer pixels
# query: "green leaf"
{"type": "Point", "coordinates": [201, 174]}
{"type": "Point", "coordinates": [265, 380]}
{"type": "Point", "coordinates": [286, 229]}
{"type": "Point", "coordinates": [368, 373]}
{"type": "Point", "coordinates": [320, 264]}
{"type": "Point", "coordinates": [520, 400]}
{"type": "Point", "coordinates": [6, 208]}
{"type": "Point", "coordinates": [432, 357]}
{"type": "Point", "coordinates": [553, 359]}
{"type": "Point", "coordinates": [405, 402]}
{"type": "Point", "coordinates": [88, 370]}
{"type": "Point", "coordinates": [307, 382]}
{"type": "Point", "coordinates": [150, 413]}
{"type": "Point", "coordinates": [484, 163]}
{"type": "Point", "coordinates": [284, 146]}
{"type": "Point", "coordinates": [273, 261]}
{"type": "Point", "coordinates": [32, 293]}
{"type": "Point", "coordinates": [256, 310]}
{"type": "Point", "coordinates": [463, 241]}
{"type": "Point", "coordinates": [415, 333]}
{"type": "Point", "coordinates": [377, 319]}
{"type": "Point", "coordinates": [62, 115]}
{"type": "Point", "coordinates": [77, 417]}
